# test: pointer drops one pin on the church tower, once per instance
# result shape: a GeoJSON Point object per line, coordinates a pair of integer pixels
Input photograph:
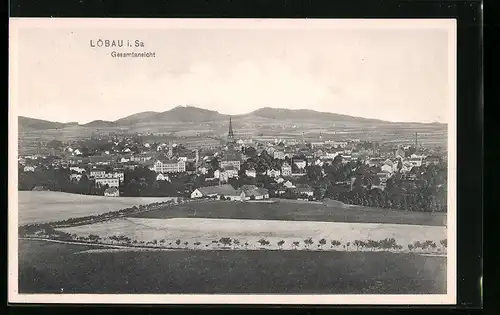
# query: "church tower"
{"type": "Point", "coordinates": [230, 135]}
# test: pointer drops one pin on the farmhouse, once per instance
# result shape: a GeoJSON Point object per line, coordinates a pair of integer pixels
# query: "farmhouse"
{"type": "Point", "coordinates": [250, 192]}
{"type": "Point", "coordinates": [216, 192]}
{"type": "Point", "coordinates": [162, 177]}
{"type": "Point", "coordinates": [112, 192]}
{"type": "Point", "coordinates": [251, 172]}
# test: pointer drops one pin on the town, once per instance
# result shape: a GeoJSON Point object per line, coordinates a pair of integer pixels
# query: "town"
{"type": "Point", "coordinates": [406, 177]}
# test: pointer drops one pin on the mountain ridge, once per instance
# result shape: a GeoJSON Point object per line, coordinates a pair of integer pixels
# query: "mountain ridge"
{"type": "Point", "coordinates": [193, 114]}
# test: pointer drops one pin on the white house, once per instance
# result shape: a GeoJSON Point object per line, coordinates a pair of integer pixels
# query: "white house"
{"type": "Point", "coordinates": [278, 154]}
{"type": "Point", "coordinates": [112, 192]}
{"type": "Point", "coordinates": [203, 170]}
{"type": "Point", "coordinates": [251, 173]}
{"type": "Point", "coordinates": [77, 169]}
{"type": "Point", "coordinates": [75, 177]}
{"type": "Point", "coordinates": [216, 192]}
{"type": "Point", "coordinates": [111, 182]}
{"type": "Point", "coordinates": [249, 192]}
{"type": "Point", "coordinates": [286, 169]}
{"type": "Point", "coordinates": [162, 177]}
{"type": "Point", "coordinates": [273, 173]}
{"type": "Point", "coordinates": [288, 184]}
{"type": "Point", "coordinates": [29, 168]}
{"type": "Point", "coordinates": [97, 173]}
{"type": "Point", "coordinates": [228, 173]}
{"type": "Point", "coordinates": [77, 152]}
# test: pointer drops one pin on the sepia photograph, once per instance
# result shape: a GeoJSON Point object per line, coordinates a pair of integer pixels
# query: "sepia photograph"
{"type": "Point", "coordinates": [232, 161]}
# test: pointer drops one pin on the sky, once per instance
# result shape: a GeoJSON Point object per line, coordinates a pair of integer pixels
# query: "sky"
{"type": "Point", "coordinates": [389, 73]}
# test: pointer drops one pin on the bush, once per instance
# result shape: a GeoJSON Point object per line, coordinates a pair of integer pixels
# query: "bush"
{"type": "Point", "coordinates": [280, 243]}
{"type": "Point", "coordinates": [444, 243]}
{"type": "Point", "coordinates": [308, 241]}
{"type": "Point", "coordinates": [196, 243]}
{"type": "Point", "coordinates": [178, 242]}
{"type": "Point", "coordinates": [296, 244]}
{"type": "Point", "coordinates": [226, 241]}
{"type": "Point", "coordinates": [335, 243]}
{"type": "Point", "coordinates": [263, 242]}
{"type": "Point", "coordinates": [322, 242]}
{"type": "Point", "coordinates": [410, 247]}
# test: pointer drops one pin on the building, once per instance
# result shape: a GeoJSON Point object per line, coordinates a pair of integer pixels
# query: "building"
{"type": "Point", "coordinates": [301, 164]}
{"type": "Point", "coordinates": [77, 169]}
{"type": "Point", "coordinates": [416, 161]}
{"type": "Point", "coordinates": [273, 173]}
{"type": "Point", "coordinates": [251, 172]}
{"type": "Point", "coordinates": [232, 158]}
{"type": "Point", "coordinates": [432, 160]}
{"type": "Point", "coordinates": [111, 182]}
{"type": "Point", "coordinates": [278, 154]}
{"type": "Point", "coordinates": [162, 177]}
{"type": "Point", "coordinates": [169, 166]}
{"type": "Point", "coordinates": [230, 134]}
{"type": "Point", "coordinates": [216, 192]}
{"type": "Point", "coordinates": [112, 192]}
{"type": "Point", "coordinates": [304, 190]}
{"type": "Point", "coordinates": [226, 174]}
{"type": "Point", "coordinates": [75, 177]}
{"type": "Point", "coordinates": [97, 173]}
{"type": "Point", "coordinates": [29, 168]}
{"type": "Point", "coordinates": [252, 192]}
{"type": "Point", "coordinates": [286, 169]}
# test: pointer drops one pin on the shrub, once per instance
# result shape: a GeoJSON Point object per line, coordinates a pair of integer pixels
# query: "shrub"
{"type": "Point", "coordinates": [296, 244]}
{"type": "Point", "coordinates": [186, 243]}
{"type": "Point", "coordinates": [280, 243]}
{"type": "Point", "coordinates": [335, 243]}
{"type": "Point", "coordinates": [308, 241]}
{"type": "Point", "coordinates": [444, 243]}
{"type": "Point", "coordinates": [225, 241]}
{"type": "Point", "coordinates": [236, 242]}
{"type": "Point", "coordinates": [263, 242]}
{"type": "Point", "coordinates": [410, 247]}
{"type": "Point", "coordinates": [322, 242]}
{"type": "Point", "coordinates": [197, 243]}
{"type": "Point", "coordinates": [178, 242]}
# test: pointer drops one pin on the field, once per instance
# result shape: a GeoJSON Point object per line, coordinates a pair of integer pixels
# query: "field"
{"type": "Point", "coordinates": [46, 206]}
{"type": "Point", "coordinates": [54, 268]}
{"type": "Point", "coordinates": [294, 211]}
{"type": "Point", "coordinates": [199, 234]}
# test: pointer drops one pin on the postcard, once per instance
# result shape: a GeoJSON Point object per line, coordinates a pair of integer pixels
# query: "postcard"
{"type": "Point", "coordinates": [232, 161]}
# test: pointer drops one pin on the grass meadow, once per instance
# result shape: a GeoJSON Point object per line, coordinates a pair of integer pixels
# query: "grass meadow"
{"type": "Point", "coordinates": [293, 211]}
{"type": "Point", "coordinates": [47, 206]}
{"type": "Point", "coordinates": [55, 268]}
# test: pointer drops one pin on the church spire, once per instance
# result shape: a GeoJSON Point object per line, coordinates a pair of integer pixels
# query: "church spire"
{"type": "Point", "coordinates": [230, 135]}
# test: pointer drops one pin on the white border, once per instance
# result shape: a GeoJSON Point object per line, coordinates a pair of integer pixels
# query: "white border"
{"type": "Point", "coordinates": [442, 299]}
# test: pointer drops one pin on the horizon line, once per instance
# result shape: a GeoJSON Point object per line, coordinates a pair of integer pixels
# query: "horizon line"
{"type": "Point", "coordinates": [233, 115]}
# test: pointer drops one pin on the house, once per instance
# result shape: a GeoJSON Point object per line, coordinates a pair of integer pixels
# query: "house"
{"type": "Point", "coordinates": [375, 162]}
{"type": "Point", "coordinates": [111, 182]}
{"type": "Point", "coordinates": [288, 184]}
{"type": "Point", "coordinates": [387, 168]}
{"type": "Point", "coordinates": [29, 168]}
{"type": "Point", "coordinates": [304, 190]}
{"type": "Point", "coordinates": [169, 166]}
{"type": "Point", "coordinates": [216, 192]}
{"type": "Point", "coordinates": [97, 173]}
{"type": "Point", "coordinates": [112, 192]}
{"type": "Point", "coordinates": [251, 172]}
{"type": "Point", "coordinates": [286, 169]}
{"type": "Point", "coordinates": [279, 154]}
{"type": "Point", "coordinates": [431, 159]}
{"type": "Point", "coordinates": [229, 172]}
{"type": "Point", "coordinates": [162, 177]}
{"type": "Point", "coordinates": [77, 169]}
{"type": "Point", "coordinates": [40, 188]}
{"type": "Point", "coordinates": [416, 161]}
{"type": "Point", "coordinates": [273, 173]}
{"type": "Point", "coordinates": [231, 159]}
{"type": "Point", "coordinates": [301, 164]}
{"type": "Point", "coordinates": [252, 192]}
{"type": "Point", "coordinates": [75, 177]}
{"type": "Point", "coordinates": [203, 170]}
{"type": "Point", "coordinates": [77, 152]}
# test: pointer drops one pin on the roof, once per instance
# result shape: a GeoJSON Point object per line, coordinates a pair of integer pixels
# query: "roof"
{"type": "Point", "coordinates": [285, 164]}
{"type": "Point", "coordinates": [226, 190]}
{"type": "Point", "coordinates": [252, 190]}
{"type": "Point", "coordinates": [111, 190]}
{"type": "Point", "coordinates": [168, 161]}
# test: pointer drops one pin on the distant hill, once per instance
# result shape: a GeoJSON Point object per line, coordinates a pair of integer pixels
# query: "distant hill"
{"type": "Point", "coordinates": [100, 124]}
{"type": "Point", "coordinates": [305, 114]}
{"type": "Point", "coordinates": [136, 118]}
{"type": "Point", "coordinates": [26, 124]}
{"type": "Point", "coordinates": [188, 114]}
{"type": "Point", "coordinates": [191, 117]}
